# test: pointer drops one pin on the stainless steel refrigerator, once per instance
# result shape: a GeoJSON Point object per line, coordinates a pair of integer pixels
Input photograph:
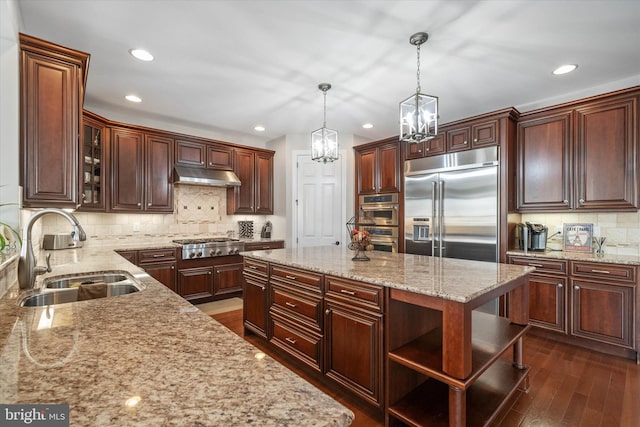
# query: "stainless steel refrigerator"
{"type": "Point", "coordinates": [451, 205]}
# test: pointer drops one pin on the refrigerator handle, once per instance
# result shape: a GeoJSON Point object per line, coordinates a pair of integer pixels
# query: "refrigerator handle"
{"type": "Point", "coordinates": [440, 213]}
{"type": "Point", "coordinates": [433, 218]}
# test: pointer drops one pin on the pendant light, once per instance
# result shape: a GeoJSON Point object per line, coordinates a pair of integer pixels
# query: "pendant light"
{"type": "Point", "coordinates": [419, 112]}
{"type": "Point", "coordinates": [324, 142]}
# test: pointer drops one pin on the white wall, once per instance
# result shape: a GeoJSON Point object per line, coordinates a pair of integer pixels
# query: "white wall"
{"type": "Point", "coordinates": [9, 111]}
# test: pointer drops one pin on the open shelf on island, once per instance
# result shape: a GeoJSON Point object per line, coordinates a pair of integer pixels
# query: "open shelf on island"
{"type": "Point", "coordinates": [491, 336]}
{"type": "Point", "coordinates": [428, 404]}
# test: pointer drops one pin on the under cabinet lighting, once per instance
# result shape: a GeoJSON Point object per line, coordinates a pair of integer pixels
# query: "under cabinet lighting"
{"type": "Point", "coordinates": [141, 54]}
{"type": "Point", "coordinates": [133, 98]}
{"type": "Point", "coordinates": [564, 69]}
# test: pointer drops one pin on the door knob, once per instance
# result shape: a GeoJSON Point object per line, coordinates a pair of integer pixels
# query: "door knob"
{"type": "Point", "coordinates": [337, 243]}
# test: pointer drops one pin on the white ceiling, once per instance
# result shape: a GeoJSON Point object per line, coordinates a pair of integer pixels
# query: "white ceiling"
{"type": "Point", "coordinates": [230, 65]}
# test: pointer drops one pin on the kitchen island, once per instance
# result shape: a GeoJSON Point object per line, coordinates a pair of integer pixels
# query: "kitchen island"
{"type": "Point", "coordinates": [146, 359]}
{"type": "Point", "coordinates": [415, 319]}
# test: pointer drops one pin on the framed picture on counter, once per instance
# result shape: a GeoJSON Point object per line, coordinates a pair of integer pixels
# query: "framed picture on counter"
{"type": "Point", "coordinates": [577, 237]}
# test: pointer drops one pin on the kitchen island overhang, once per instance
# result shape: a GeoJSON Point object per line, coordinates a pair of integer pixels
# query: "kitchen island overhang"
{"type": "Point", "coordinates": [431, 327]}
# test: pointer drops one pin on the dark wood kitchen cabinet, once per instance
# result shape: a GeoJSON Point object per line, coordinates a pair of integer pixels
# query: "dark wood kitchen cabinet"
{"type": "Point", "coordinates": [354, 337]}
{"type": "Point", "coordinates": [544, 153]}
{"type": "Point", "coordinates": [227, 279]}
{"type": "Point", "coordinates": [195, 153]}
{"type": "Point", "coordinates": [580, 156]}
{"type": "Point", "coordinates": [141, 167]}
{"type": "Point", "coordinates": [255, 296]}
{"type": "Point", "coordinates": [378, 167]}
{"type": "Point", "coordinates": [195, 283]}
{"type": "Point", "coordinates": [255, 170]}
{"type": "Point", "coordinates": [547, 292]}
{"type": "Point", "coordinates": [160, 264]}
{"type": "Point", "coordinates": [295, 314]}
{"type": "Point", "coordinates": [470, 133]}
{"type": "Point", "coordinates": [591, 304]}
{"type": "Point", "coordinates": [208, 279]}
{"type": "Point", "coordinates": [52, 80]}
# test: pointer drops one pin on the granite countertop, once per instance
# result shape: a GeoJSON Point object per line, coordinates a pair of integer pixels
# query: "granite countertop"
{"type": "Point", "coordinates": [579, 256]}
{"type": "Point", "coordinates": [186, 368]}
{"type": "Point", "coordinates": [452, 279]}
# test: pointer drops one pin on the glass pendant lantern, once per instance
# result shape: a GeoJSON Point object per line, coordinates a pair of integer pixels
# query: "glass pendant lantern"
{"type": "Point", "coordinates": [419, 112]}
{"type": "Point", "coordinates": [324, 141]}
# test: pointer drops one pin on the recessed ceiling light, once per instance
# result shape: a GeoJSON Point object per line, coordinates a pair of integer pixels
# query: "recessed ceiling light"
{"type": "Point", "coordinates": [133, 98]}
{"type": "Point", "coordinates": [564, 69]}
{"type": "Point", "coordinates": [367, 126]}
{"type": "Point", "coordinates": [141, 54]}
{"type": "Point", "coordinates": [259, 128]}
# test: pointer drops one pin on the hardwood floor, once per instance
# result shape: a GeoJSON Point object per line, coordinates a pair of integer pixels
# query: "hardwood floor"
{"type": "Point", "coordinates": [570, 386]}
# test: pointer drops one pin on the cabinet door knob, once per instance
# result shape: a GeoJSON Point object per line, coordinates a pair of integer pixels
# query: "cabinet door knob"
{"type": "Point", "coordinates": [148, 204]}
{"type": "Point", "coordinates": [139, 204]}
{"type": "Point", "coordinates": [565, 201]}
{"type": "Point", "coordinates": [173, 267]}
{"type": "Point", "coordinates": [475, 139]}
{"type": "Point", "coordinates": [327, 311]}
{"type": "Point", "coordinates": [560, 285]}
{"type": "Point", "coordinates": [209, 272]}
{"type": "Point", "coordinates": [581, 201]}
{"type": "Point", "coordinates": [577, 288]}
{"type": "Point", "coordinates": [202, 163]}
{"type": "Point", "coordinates": [465, 143]}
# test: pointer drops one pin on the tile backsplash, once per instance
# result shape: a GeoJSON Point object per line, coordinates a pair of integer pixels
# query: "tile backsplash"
{"type": "Point", "coordinates": [197, 210]}
{"type": "Point", "coordinates": [622, 230]}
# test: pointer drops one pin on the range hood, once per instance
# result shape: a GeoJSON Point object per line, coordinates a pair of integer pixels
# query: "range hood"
{"type": "Point", "coordinates": [198, 176]}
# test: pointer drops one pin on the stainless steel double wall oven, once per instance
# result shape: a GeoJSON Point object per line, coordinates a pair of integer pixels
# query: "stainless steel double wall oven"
{"type": "Point", "coordinates": [383, 210]}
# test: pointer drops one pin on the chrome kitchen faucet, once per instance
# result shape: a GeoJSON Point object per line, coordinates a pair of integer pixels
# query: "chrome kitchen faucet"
{"type": "Point", "coordinates": [27, 269]}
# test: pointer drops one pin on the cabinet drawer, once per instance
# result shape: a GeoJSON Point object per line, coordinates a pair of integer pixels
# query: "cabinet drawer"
{"type": "Point", "coordinates": [263, 245]}
{"type": "Point", "coordinates": [303, 345]}
{"type": "Point", "coordinates": [364, 295]}
{"type": "Point", "coordinates": [305, 308]}
{"type": "Point", "coordinates": [542, 265]}
{"type": "Point", "coordinates": [617, 272]}
{"type": "Point", "coordinates": [154, 255]}
{"type": "Point", "coordinates": [256, 268]}
{"type": "Point", "coordinates": [304, 279]}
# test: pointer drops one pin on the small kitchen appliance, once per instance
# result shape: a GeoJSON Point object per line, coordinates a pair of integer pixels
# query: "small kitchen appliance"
{"type": "Point", "coordinates": [536, 236]}
{"type": "Point", "coordinates": [265, 233]}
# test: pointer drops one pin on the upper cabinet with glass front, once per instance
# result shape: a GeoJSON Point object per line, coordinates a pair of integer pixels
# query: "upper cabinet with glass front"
{"type": "Point", "coordinates": [92, 163]}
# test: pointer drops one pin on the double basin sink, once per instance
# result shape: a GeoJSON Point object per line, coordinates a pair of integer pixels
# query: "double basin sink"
{"type": "Point", "coordinates": [65, 289]}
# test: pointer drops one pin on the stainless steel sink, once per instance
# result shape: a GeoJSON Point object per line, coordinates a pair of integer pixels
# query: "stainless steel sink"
{"type": "Point", "coordinates": [86, 279]}
{"type": "Point", "coordinates": [61, 290]}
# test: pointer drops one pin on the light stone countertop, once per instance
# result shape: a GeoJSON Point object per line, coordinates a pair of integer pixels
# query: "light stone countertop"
{"type": "Point", "coordinates": [452, 279]}
{"type": "Point", "coordinates": [186, 368]}
{"type": "Point", "coordinates": [579, 256]}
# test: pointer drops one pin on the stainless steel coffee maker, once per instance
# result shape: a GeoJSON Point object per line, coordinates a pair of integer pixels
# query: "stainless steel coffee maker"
{"type": "Point", "coordinates": [531, 236]}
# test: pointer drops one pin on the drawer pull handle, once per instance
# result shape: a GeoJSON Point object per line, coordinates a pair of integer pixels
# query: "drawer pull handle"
{"type": "Point", "coordinates": [291, 340]}
{"type": "Point", "coordinates": [158, 255]}
{"type": "Point", "coordinates": [291, 277]}
{"type": "Point", "coordinates": [535, 265]}
{"type": "Point", "coordinates": [290, 304]}
{"type": "Point", "coordinates": [600, 271]}
{"type": "Point", "coordinates": [344, 291]}
{"type": "Point", "coordinates": [253, 267]}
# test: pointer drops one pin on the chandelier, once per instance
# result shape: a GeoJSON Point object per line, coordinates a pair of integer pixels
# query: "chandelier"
{"type": "Point", "coordinates": [419, 112]}
{"type": "Point", "coordinates": [324, 142]}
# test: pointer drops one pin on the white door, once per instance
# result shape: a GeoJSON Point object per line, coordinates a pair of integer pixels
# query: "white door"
{"type": "Point", "coordinates": [319, 202]}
